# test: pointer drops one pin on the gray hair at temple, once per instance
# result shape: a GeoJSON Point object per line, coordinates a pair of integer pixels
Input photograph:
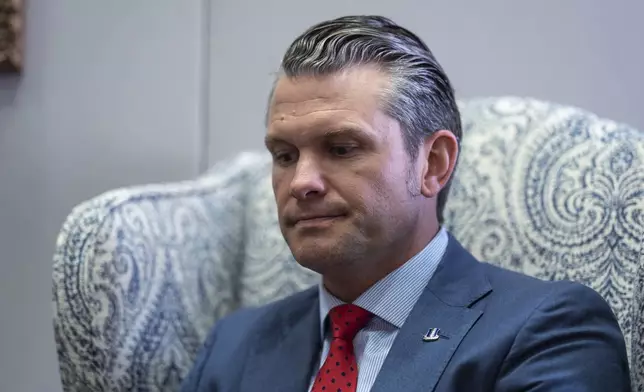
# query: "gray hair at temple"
{"type": "Point", "coordinates": [420, 96]}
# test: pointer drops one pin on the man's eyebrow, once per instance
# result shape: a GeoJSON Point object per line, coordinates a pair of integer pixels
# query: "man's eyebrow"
{"type": "Point", "coordinates": [271, 139]}
{"type": "Point", "coordinates": [346, 131]}
{"type": "Point", "coordinates": [355, 132]}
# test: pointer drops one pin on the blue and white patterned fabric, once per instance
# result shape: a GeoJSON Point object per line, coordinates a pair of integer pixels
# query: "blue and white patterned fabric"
{"type": "Point", "coordinates": [141, 274]}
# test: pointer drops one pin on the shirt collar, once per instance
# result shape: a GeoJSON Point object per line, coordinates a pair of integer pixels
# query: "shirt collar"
{"type": "Point", "coordinates": [404, 285]}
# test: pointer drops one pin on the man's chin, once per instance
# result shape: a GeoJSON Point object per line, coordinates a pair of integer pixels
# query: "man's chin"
{"type": "Point", "coordinates": [326, 250]}
{"type": "Point", "coordinates": [316, 257]}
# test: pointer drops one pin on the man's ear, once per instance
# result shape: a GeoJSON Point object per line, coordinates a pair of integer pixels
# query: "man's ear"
{"type": "Point", "coordinates": [439, 154]}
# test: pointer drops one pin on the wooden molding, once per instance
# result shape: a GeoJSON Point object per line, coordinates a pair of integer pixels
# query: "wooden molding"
{"type": "Point", "coordinates": [11, 35]}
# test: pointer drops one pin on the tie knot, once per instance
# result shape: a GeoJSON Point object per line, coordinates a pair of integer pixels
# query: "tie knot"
{"type": "Point", "coordinates": [347, 320]}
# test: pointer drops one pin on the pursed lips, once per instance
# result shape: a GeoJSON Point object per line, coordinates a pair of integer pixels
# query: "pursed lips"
{"type": "Point", "coordinates": [315, 218]}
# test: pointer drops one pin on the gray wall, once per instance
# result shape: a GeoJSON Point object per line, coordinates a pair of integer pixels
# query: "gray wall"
{"type": "Point", "coordinates": [587, 53]}
{"type": "Point", "coordinates": [110, 96]}
{"type": "Point", "coordinates": [114, 94]}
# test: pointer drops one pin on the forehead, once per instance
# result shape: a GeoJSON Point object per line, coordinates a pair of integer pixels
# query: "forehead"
{"type": "Point", "coordinates": [307, 102]}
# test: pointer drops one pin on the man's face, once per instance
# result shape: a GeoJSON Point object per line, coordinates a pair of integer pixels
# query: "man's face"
{"type": "Point", "coordinates": [342, 179]}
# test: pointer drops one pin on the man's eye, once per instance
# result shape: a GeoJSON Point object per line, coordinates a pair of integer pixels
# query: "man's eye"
{"type": "Point", "coordinates": [283, 158]}
{"type": "Point", "coordinates": [343, 150]}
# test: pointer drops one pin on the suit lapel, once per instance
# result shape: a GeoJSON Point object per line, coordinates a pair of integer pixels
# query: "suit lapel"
{"type": "Point", "coordinates": [287, 350]}
{"type": "Point", "coordinates": [414, 365]}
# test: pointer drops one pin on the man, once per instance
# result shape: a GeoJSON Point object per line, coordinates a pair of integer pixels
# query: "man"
{"type": "Point", "coordinates": [364, 132]}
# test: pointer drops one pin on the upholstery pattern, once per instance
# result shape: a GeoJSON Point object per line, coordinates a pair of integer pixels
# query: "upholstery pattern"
{"type": "Point", "coordinates": [556, 193]}
{"type": "Point", "coordinates": [141, 274]}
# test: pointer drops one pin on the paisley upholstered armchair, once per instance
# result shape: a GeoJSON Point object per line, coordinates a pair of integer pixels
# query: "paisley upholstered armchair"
{"type": "Point", "coordinates": [141, 274]}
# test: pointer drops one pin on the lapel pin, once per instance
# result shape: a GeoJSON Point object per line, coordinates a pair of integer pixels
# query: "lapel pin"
{"type": "Point", "coordinates": [432, 335]}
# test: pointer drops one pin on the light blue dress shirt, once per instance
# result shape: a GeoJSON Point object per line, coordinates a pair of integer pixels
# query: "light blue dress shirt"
{"type": "Point", "coordinates": [390, 300]}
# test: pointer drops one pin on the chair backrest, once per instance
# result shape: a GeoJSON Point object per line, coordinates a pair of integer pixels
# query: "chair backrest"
{"type": "Point", "coordinates": [140, 274]}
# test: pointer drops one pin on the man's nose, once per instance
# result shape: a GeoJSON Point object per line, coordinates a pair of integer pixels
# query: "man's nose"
{"type": "Point", "coordinates": [308, 180]}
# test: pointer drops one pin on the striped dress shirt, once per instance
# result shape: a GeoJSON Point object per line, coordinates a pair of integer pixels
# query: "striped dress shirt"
{"type": "Point", "coordinates": [390, 300]}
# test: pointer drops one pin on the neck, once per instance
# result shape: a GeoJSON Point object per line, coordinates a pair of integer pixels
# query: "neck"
{"type": "Point", "coordinates": [353, 279]}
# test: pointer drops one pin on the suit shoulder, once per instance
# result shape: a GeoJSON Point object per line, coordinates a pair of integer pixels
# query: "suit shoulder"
{"type": "Point", "coordinates": [512, 284]}
{"type": "Point", "coordinates": [558, 325]}
{"type": "Point", "coordinates": [244, 321]}
{"type": "Point", "coordinates": [220, 359]}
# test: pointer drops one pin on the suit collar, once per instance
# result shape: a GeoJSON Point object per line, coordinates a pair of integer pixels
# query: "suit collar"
{"type": "Point", "coordinates": [286, 349]}
{"type": "Point", "coordinates": [406, 284]}
{"type": "Point", "coordinates": [459, 279]}
{"type": "Point", "coordinates": [414, 365]}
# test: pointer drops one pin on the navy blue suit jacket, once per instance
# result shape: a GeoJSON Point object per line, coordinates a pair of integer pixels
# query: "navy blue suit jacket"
{"type": "Point", "coordinates": [500, 331]}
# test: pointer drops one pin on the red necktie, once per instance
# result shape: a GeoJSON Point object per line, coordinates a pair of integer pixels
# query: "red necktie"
{"type": "Point", "coordinates": [340, 370]}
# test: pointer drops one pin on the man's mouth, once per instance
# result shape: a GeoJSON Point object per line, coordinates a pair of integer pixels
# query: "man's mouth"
{"type": "Point", "coordinates": [317, 221]}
